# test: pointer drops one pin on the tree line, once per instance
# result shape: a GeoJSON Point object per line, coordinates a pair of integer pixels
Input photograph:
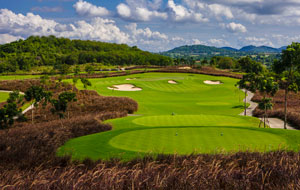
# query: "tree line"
{"type": "Point", "coordinates": [283, 74]}
{"type": "Point", "coordinates": [52, 51]}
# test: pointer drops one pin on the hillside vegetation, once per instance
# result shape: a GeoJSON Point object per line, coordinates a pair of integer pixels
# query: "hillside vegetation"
{"type": "Point", "coordinates": [262, 54]}
{"type": "Point", "coordinates": [52, 51]}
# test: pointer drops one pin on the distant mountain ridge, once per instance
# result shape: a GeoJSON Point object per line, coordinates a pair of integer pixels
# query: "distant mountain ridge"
{"type": "Point", "coordinates": [202, 49]}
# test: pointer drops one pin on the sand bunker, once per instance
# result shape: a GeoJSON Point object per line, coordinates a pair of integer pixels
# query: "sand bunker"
{"type": "Point", "coordinates": [172, 82]}
{"type": "Point", "coordinates": [185, 68]}
{"type": "Point", "coordinates": [212, 82]}
{"type": "Point", "coordinates": [131, 79]}
{"type": "Point", "coordinates": [125, 87]}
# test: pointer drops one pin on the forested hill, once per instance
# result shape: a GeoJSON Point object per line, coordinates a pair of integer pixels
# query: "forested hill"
{"type": "Point", "coordinates": [224, 51]}
{"type": "Point", "coordinates": [37, 51]}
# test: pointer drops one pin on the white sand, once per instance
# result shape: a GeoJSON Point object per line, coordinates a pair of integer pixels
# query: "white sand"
{"type": "Point", "coordinates": [212, 82]}
{"type": "Point", "coordinates": [172, 82]}
{"type": "Point", "coordinates": [185, 68]}
{"type": "Point", "coordinates": [125, 87]}
{"type": "Point", "coordinates": [131, 79]}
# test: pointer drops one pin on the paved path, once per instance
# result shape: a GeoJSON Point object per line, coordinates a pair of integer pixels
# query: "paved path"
{"type": "Point", "coordinates": [272, 122]}
{"type": "Point", "coordinates": [253, 105]}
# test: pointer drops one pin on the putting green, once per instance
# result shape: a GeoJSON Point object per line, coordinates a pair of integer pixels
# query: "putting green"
{"type": "Point", "coordinates": [203, 139]}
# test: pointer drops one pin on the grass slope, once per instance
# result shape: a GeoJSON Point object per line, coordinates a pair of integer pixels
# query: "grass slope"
{"type": "Point", "coordinates": [3, 96]}
{"type": "Point", "coordinates": [198, 113]}
{"type": "Point", "coordinates": [18, 77]}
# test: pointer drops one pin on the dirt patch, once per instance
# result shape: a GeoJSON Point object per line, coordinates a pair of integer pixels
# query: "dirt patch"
{"type": "Point", "coordinates": [125, 87]}
{"type": "Point", "coordinates": [212, 82]}
{"type": "Point", "coordinates": [172, 82]}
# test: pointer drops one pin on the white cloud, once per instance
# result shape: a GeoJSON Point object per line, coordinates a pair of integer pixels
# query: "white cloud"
{"type": "Point", "coordinates": [98, 29]}
{"type": "Point", "coordinates": [84, 8]}
{"type": "Point", "coordinates": [235, 27]}
{"type": "Point", "coordinates": [140, 10]}
{"type": "Point", "coordinates": [221, 10]}
{"type": "Point", "coordinates": [6, 38]}
{"type": "Point", "coordinates": [256, 41]}
{"type": "Point", "coordinates": [30, 24]}
{"type": "Point", "coordinates": [218, 42]}
{"type": "Point", "coordinates": [145, 34]}
{"type": "Point", "coordinates": [24, 25]}
{"type": "Point", "coordinates": [197, 42]}
{"type": "Point", "coordinates": [47, 9]}
{"type": "Point", "coordinates": [179, 13]}
{"type": "Point", "coordinates": [124, 10]}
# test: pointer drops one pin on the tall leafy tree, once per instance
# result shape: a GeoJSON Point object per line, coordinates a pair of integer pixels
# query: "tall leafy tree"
{"type": "Point", "coordinates": [85, 82]}
{"type": "Point", "coordinates": [287, 68]}
{"type": "Point", "coordinates": [11, 111]}
{"type": "Point", "coordinates": [60, 105]}
{"type": "Point", "coordinates": [36, 95]}
{"type": "Point", "coordinates": [248, 83]}
{"type": "Point", "coordinates": [267, 86]}
{"type": "Point", "coordinates": [89, 69]}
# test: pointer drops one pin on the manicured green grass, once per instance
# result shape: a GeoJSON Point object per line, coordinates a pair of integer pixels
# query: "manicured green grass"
{"type": "Point", "coordinates": [18, 77]}
{"type": "Point", "coordinates": [194, 120]}
{"type": "Point", "coordinates": [202, 139]}
{"type": "Point", "coordinates": [199, 113]}
{"type": "Point", "coordinates": [3, 96]}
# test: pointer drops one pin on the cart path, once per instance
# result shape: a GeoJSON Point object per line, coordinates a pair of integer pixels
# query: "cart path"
{"type": "Point", "coordinates": [272, 122]}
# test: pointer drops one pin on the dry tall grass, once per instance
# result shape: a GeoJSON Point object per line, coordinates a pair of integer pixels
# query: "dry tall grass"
{"type": "Point", "coordinates": [278, 170]}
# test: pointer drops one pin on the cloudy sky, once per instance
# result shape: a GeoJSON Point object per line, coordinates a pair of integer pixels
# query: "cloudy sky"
{"type": "Point", "coordinates": [155, 25]}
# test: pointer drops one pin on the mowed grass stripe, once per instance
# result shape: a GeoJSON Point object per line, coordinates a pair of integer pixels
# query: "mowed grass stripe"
{"type": "Point", "coordinates": [194, 120]}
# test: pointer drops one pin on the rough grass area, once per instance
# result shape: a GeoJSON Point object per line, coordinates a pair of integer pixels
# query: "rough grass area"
{"type": "Point", "coordinates": [205, 109]}
{"type": "Point", "coordinates": [273, 171]}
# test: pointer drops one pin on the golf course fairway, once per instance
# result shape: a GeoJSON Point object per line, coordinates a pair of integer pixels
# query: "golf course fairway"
{"type": "Point", "coordinates": [183, 118]}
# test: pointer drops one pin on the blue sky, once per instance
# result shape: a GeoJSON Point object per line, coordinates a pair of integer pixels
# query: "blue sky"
{"type": "Point", "coordinates": [155, 25]}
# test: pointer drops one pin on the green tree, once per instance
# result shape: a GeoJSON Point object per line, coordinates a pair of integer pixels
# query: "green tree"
{"type": "Point", "coordinates": [89, 69]}
{"type": "Point", "coordinates": [267, 86]}
{"type": "Point", "coordinates": [10, 111]}
{"type": "Point", "coordinates": [45, 81]}
{"type": "Point", "coordinates": [63, 69]}
{"type": "Point", "coordinates": [76, 70]}
{"type": "Point", "coordinates": [248, 83]}
{"type": "Point", "coordinates": [287, 68]}
{"type": "Point", "coordinates": [36, 95]}
{"type": "Point", "coordinates": [85, 82]}
{"type": "Point", "coordinates": [60, 105]}
{"type": "Point", "coordinates": [75, 81]}
{"type": "Point", "coordinates": [246, 64]}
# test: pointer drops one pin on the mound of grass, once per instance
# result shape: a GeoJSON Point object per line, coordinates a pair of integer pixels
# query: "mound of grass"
{"type": "Point", "coordinates": [199, 140]}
